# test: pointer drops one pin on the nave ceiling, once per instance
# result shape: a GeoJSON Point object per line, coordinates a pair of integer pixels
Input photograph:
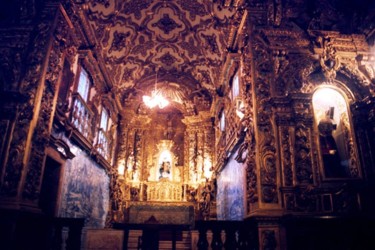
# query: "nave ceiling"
{"type": "Point", "coordinates": [180, 45]}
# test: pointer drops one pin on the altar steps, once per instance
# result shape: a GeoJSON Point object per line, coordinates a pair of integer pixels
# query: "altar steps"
{"type": "Point", "coordinates": [165, 243]}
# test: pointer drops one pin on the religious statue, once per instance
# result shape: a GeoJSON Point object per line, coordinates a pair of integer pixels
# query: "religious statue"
{"type": "Point", "coordinates": [328, 147]}
{"type": "Point", "coordinates": [165, 170]}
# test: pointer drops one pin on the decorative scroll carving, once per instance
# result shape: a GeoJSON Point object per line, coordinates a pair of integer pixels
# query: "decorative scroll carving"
{"type": "Point", "coordinates": [183, 57]}
{"type": "Point", "coordinates": [29, 85]}
{"type": "Point", "coordinates": [266, 133]}
{"type": "Point", "coordinates": [302, 200]}
{"type": "Point", "coordinates": [166, 24]}
{"type": "Point", "coordinates": [116, 196]}
{"type": "Point", "coordinates": [303, 154]}
{"type": "Point", "coordinates": [291, 71]}
{"type": "Point", "coordinates": [248, 123]}
{"type": "Point", "coordinates": [268, 178]}
{"type": "Point", "coordinates": [119, 41]}
{"type": "Point", "coordinates": [364, 124]}
{"type": "Point", "coordinates": [42, 130]}
{"type": "Point", "coordinates": [207, 199]}
{"type": "Point", "coordinates": [193, 156]}
{"type": "Point", "coordinates": [134, 155]}
{"type": "Point", "coordinates": [164, 190]}
{"type": "Point", "coordinates": [349, 144]}
{"type": "Point", "coordinates": [329, 61]}
{"type": "Point", "coordinates": [286, 156]}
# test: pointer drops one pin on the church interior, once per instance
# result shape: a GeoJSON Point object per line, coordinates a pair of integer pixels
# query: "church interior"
{"type": "Point", "coordinates": [187, 124]}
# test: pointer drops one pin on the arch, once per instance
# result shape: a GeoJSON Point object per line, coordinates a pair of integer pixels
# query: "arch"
{"type": "Point", "coordinates": [335, 135]}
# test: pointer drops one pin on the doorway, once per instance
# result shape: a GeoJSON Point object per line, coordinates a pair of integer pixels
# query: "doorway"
{"type": "Point", "coordinates": [50, 187]}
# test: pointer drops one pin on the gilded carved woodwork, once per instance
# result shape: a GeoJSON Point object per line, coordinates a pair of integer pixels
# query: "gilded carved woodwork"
{"type": "Point", "coordinates": [364, 124]}
{"type": "Point", "coordinates": [266, 136]}
{"type": "Point", "coordinates": [47, 107]}
{"type": "Point", "coordinates": [329, 61]}
{"type": "Point", "coordinates": [162, 37]}
{"type": "Point", "coordinates": [164, 190]}
{"type": "Point", "coordinates": [19, 147]}
{"type": "Point", "coordinates": [190, 145]}
{"type": "Point", "coordinates": [249, 125]}
{"type": "Point", "coordinates": [116, 196]}
{"type": "Point", "coordinates": [193, 48]}
{"type": "Point", "coordinates": [286, 156]}
{"type": "Point", "coordinates": [303, 165]}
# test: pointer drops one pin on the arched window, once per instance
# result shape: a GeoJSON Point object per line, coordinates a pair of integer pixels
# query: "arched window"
{"type": "Point", "coordinates": [335, 137]}
{"type": "Point", "coordinates": [104, 120]}
{"type": "Point", "coordinates": [222, 122]}
{"type": "Point", "coordinates": [103, 135]}
{"type": "Point", "coordinates": [81, 113]}
{"type": "Point", "coordinates": [235, 86]}
{"type": "Point", "coordinates": [84, 85]}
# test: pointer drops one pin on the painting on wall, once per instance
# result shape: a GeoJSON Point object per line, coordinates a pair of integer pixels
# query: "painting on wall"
{"type": "Point", "coordinates": [85, 190]}
{"type": "Point", "coordinates": [231, 191]}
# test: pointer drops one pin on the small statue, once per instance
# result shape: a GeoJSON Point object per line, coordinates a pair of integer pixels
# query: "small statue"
{"type": "Point", "coordinates": [165, 169]}
{"type": "Point", "coordinates": [328, 147]}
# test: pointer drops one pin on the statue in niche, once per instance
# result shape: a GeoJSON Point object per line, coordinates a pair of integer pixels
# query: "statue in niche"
{"type": "Point", "coordinates": [328, 146]}
{"type": "Point", "coordinates": [168, 133]}
{"type": "Point", "coordinates": [165, 169]}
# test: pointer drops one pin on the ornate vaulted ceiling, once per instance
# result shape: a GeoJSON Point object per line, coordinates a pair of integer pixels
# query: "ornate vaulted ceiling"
{"type": "Point", "coordinates": [184, 41]}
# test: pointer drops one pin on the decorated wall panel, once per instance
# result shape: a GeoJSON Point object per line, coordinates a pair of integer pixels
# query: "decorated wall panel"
{"type": "Point", "coordinates": [231, 191]}
{"type": "Point", "coordinates": [85, 192]}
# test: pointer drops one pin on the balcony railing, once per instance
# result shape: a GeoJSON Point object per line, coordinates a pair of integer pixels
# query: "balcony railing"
{"type": "Point", "coordinates": [103, 145]}
{"type": "Point", "coordinates": [81, 117]}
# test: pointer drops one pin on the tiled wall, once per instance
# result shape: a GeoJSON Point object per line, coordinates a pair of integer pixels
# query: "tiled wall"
{"type": "Point", "coordinates": [85, 190]}
{"type": "Point", "coordinates": [231, 191]}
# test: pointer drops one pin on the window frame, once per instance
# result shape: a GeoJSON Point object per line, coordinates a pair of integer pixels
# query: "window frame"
{"type": "Point", "coordinates": [83, 71]}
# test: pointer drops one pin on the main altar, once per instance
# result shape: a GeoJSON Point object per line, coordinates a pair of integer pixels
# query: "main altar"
{"type": "Point", "coordinates": [158, 193]}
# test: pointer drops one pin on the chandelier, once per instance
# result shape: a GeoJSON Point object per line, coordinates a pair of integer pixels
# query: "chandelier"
{"type": "Point", "coordinates": [156, 98]}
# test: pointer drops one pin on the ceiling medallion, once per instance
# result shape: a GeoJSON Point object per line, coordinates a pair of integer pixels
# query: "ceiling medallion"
{"type": "Point", "coordinates": [166, 24]}
{"type": "Point", "coordinates": [156, 98]}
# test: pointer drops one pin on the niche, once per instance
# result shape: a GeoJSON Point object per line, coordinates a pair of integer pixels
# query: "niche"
{"type": "Point", "coordinates": [334, 130]}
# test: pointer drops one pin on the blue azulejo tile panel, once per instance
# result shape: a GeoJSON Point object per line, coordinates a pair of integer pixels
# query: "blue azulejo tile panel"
{"type": "Point", "coordinates": [85, 190]}
{"type": "Point", "coordinates": [231, 191]}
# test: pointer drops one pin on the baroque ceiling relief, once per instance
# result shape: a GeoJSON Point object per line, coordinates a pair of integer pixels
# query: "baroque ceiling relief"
{"type": "Point", "coordinates": [175, 46]}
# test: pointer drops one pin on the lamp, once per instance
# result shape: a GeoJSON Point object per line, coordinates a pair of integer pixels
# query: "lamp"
{"type": "Point", "coordinates": [156, 98]}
